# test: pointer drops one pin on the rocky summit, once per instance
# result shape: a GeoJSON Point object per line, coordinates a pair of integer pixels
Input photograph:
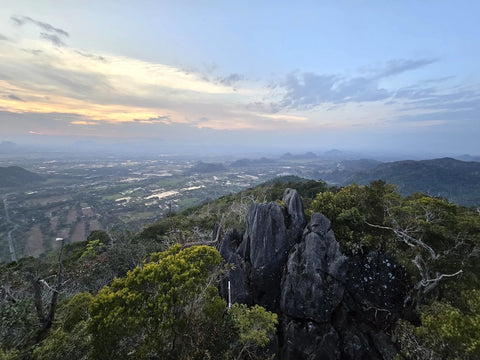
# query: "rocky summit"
{"type": "Point", "coordinates": [330, 306]}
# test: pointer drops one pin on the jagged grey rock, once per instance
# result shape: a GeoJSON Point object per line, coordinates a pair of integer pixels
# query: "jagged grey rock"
{"type": "Point", "coordinates": [330, 306]}
{"type": "Point", "coordinates": [272, 230]}
{"type": "Point", "coordinates": [295, 209]}
{"type": "Point", "coordinates": [237, 275]}
{"type": "Point", "coordinates": [315, 273]}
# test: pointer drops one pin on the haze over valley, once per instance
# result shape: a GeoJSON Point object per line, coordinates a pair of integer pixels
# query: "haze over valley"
{"type": "Point", "coordinates": [49, 194]}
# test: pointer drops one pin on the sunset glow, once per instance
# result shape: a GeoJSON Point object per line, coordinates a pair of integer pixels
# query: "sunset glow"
{"type": "Point", "coordinates": [185, 74]}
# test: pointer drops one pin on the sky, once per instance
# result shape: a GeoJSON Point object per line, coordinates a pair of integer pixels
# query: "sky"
{"type": "Point", "coordinates": [292, 75]}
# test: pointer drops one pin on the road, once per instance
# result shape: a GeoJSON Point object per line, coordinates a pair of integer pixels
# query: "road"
{"type": "Point", "coordinates": [11, 244]}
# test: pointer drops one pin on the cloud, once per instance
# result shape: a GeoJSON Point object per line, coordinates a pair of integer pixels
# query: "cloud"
{"type": "Point", "coordinates": [304, 91]}
{"type": "Point", "coordinates": [439, 98]}
{"type": "Point", "coordinates": [454, 107]}
{"type": "Point", "coordinates": [84, 92]}
{"type": "Point", "coordinates": [292, 118]}
{"type": "Point", "coordinates": [439, 80]}
{"type": "Point", "coordinates": [230, 80]}
{"type": "Point", "coordinates": [13, 97]}
{"type": "Point", "coordinates": [83, 122]}
{"type": "Point", "coordinates": [396, 67]}
{"type": "Point", "coordinates": [75, 82]}
{"type": "Point", "coordinates": [110, 88]}
{"type": "Point", "coordinates": [90, 56]}
{"type": "Point", "coordinates": [33, 51]}
{"type": "Point", "coordinates": [158, 120]}
{"type": "Point", "coordinates": [21, 20]}
{"type": "Point", "coordinates": [4, 38]}
{"type": "Point", "coordinates": [414, 92]}
{"type": "Point", "coordinates": [48, 32]}
{"type": "Point", "coordinates": [54, 39]}
{"type": "Point", "coordinates": [308, 90]}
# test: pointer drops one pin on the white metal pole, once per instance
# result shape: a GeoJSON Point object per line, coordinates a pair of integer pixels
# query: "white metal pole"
{"type": "Point", "coordinates": [229, 296]}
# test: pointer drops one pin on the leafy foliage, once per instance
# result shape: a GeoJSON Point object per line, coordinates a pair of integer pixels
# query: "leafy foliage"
{"type": "Point", "coordinates": [19, 321]}
{"type": "Point", "coordinates": [453, 332]}
{"type": "Point", "coordinates": [168, 308]}
{"type": "Point", "coordinates": [256, 327]}
{"type": "Point", "coordinates": [157, 308]}
{"type": "Point", "coordinates": [8, 355]}
{"type": "Point", "coordinates": [350, 209]}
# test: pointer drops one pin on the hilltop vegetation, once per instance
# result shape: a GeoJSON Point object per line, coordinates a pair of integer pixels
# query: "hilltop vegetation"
{"type": "Point", "coordinates": [164, 302]}
{"type": "Point", "coordinates": [17, 176]}
{"type": "Point", "coordinates": [449, 178]}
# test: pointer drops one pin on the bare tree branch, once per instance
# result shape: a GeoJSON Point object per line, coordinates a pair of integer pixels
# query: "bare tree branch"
{"type": "Point", "coordinates": [440, 277]}
{"type": "Point", "coordinates": [9, 294]}
{"type": "Point", "coordinates": [407, 238]}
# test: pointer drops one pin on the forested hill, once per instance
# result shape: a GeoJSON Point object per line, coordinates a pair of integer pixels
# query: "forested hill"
{"type": "Point", "coordinates": [15, 175]}
{"type": "Point", "coordinates": [455, 180]}
{"type": "Point", "coordinates": [358, 272]}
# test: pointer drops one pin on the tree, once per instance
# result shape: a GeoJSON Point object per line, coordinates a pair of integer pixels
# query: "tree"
{"type": "Point", "coordinates": [427, 228]}
{"type": "Point", "coordinates": [28, 307]}
{"type": "Point", "coordinates": [70, 338]}
{"type": "Point", "coordinates": [455, 332]}
{"type": "Point", "coordinates": [168, 308]}
{"type": "Point", "coordinates": [446, 332]}
{"type": "Point", "coordinates": [9, 355]}
{"type": "Point", "coordinates": [435, 240]}
{"type": "Point", "coordinates": [351, 208]}
{"type": "Point", "coordinates": [256, 327]}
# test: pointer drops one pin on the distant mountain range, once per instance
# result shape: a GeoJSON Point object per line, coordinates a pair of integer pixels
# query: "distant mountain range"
{"type": "Point", "coordinates": [16, 176]}
{"type": "Point", "coordinates": [455, 180]}
{"type": "Point", "coordinates": [251, 162]}
{"type": "Point", "coordinates": [203, 167]}
{"type": "Point", "coordinates": [8, 147]}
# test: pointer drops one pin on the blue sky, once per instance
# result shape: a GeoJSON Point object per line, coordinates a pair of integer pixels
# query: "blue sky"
{"type": "Point", "coordinates": [294, 75]}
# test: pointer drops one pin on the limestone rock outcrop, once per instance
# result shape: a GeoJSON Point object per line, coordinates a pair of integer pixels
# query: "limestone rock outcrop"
{"type": "Point", "coordinates": [272, 230]}
{"type": "Point", "coordinates": [312, 285]}
{"type": "Point", "coordinates": [330, 306]}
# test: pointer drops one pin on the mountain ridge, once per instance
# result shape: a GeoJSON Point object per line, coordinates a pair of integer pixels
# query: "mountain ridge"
{"type": "Point", "coordinates": [11, 176]}
{"type": "Point", "coordinates": [446, 177]}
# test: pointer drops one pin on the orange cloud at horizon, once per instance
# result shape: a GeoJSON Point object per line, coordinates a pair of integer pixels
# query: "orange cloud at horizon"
{"type": "Point", "coordinates": [31, 102]}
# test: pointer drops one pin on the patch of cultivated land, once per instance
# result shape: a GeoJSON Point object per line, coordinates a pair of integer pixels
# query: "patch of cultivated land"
{"type": "Point", "coordinates": [34, 244]}
{"type": "Point", "coordinates": [72, 215]}
{"type": "Point", "coordinates": [48, 200]}
{"type": "Point", "coordinates": [54, 223]}
{"type": "Point", "coordinates": [95, 225]}
{"type": "Point", "coordinates": [79, 232]}
{"type": "Point", "coordinates": [87, 210]}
